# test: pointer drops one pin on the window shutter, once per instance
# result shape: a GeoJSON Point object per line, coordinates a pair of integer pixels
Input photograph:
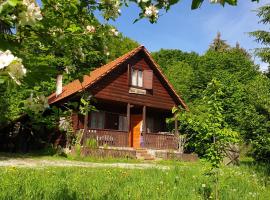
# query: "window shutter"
{"type": "Point", "coordinates": [148, 79]}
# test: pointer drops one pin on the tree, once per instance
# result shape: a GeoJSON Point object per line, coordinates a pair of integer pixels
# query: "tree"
{"type": "Point", "coordinates": [181, 75]}
{"type": "Point", "coordinates": [218, 44]}
{"type": "Point", "coordinates": [76, 43]}
{"type": "Point", "coordinates": [263, 36]}
{"type": "Point", "coordinates": [209, 134]}
{"type": "Point", "coordinates": [166, 57]}
{"type": "Point", "coordinates": [243, 98]}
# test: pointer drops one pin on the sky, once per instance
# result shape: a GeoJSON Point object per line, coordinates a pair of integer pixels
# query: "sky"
{"type": "Point", "coordinates": [193, 30]}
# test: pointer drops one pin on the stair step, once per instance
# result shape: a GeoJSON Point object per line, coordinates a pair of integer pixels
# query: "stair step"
{"type": "Point", "coordinates": [141, 151]}
{"type": "Point", "coordinates": [143, 154]}
{"type": "Point", "coordinates": [150, 158]}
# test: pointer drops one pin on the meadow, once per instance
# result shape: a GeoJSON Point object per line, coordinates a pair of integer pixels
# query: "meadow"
{"type": "Point", "coordinates": [182, 181]}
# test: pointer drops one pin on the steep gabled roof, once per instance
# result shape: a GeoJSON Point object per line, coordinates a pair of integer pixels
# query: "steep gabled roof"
{"type": "Point", "coordinates": [76, 86]}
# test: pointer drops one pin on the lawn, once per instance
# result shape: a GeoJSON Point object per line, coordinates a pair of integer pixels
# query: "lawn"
{"type": "Point", "coordinates": [183, 181]}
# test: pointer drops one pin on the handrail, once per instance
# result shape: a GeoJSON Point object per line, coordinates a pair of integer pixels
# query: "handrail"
{"type": "Point", "coordinates": [112, 130]}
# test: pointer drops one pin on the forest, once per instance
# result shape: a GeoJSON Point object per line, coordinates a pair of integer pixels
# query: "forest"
{"type": "Point", "coordinates": [227, 93]}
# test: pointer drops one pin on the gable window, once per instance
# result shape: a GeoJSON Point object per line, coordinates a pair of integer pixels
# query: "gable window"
{"type": "Point", "coordinates": [136, 77]}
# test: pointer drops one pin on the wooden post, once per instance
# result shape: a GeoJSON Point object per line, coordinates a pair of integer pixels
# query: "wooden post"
{"type": "Point", "coordinates": [85, 127]}
{"type": "Point", "coordinates": [175, 125]}
{"type": "Point", "coordinates": [144, 119]}
{"type": "Point", "coordinates": [128, 120]}
{"type": "Point", "coordinates": [144, 125]}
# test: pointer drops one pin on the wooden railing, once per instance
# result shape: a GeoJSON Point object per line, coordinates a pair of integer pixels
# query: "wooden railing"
{"type": "Point", "coordinates": [160, 141]}
{"type": "Point", "coordinates": [117, 138]}
{"type": "Point", "coordinates": [109, 137]}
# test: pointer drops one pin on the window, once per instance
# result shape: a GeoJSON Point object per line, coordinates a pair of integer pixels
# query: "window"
{"type": "Point", "coordinates": [122, 123]}
{"type": "Point", "coordinates": [111, 121]}
{"type": "Point", "coordinates": [136, 77]}
{"type": "Point", "coordinates": [97, 120]}
{"type": "Point", "coordinates": [150, 124]}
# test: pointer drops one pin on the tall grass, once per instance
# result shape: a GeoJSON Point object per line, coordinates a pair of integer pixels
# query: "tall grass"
{"type": "Point", "coordinates": [184, 181]}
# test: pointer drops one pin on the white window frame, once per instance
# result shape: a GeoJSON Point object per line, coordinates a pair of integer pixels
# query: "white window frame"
{"type": "Point", "coordinates": [136, 77]}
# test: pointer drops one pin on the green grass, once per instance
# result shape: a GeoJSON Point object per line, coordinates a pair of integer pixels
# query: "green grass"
{"type": "Point", "coordinates": [183, 181]}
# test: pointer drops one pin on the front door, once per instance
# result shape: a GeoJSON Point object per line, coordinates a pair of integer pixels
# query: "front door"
{"type": "Point", "coordinates": [135, 135]}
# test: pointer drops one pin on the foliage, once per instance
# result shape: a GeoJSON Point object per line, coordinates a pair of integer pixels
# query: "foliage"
{"type": "Point", "coordinates": [82, 41]}
{"type": "Point", "coordinates": [211, 134]}
{"type": "Point", "coordinates": [244, 101]}
{"type": "Point", "coordinates": [182, 76]}
{"type": "Point", "coordinates": [10, 102]}
{"type": "Point", "coordinates": [78, 149]}
{"type": "Point", "coordinates": [91, 143]}
{"type": "Point", "coordinates": [85, 106]}
{"type": "Point", "coordinates": [263, 36]}
{"type": "Point", "coordinates": [218, 44]}
{"type": "Point", "coordinates": [165, 58]}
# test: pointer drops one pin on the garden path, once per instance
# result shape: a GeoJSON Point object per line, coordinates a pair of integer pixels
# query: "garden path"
{"type": "Point", "coordinates": [39, 163]}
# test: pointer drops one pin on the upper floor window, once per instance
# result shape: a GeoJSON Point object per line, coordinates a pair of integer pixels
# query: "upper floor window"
{"type": "Point", "coordinates": [136, 77]}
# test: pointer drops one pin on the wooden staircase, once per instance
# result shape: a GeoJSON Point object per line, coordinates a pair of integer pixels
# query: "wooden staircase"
{"type": "Point", "coordinates": [143, 154]}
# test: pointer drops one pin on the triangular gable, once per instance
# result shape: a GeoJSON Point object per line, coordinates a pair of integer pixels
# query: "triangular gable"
{"type": "Point", "coordinates": [88, 80]}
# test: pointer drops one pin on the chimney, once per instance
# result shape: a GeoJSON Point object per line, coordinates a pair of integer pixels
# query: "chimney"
{"type": "Point", "coordinates": [59, 84]}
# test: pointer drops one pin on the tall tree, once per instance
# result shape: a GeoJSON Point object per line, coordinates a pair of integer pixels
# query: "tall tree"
{"type": "Point", "coordinates": [263, 36]}
{"type": "Point", "coordinates": [218, 44]}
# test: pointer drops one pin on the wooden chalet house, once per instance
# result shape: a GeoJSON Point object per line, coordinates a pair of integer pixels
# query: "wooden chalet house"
{"type": "Point", "coordinates": [133, 100]}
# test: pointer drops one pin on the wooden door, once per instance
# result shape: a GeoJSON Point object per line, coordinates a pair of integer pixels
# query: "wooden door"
{"type": "Point", "coordinates": [135, 121]}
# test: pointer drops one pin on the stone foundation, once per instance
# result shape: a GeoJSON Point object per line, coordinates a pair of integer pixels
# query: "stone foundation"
{"type": "Point", "coordinates": [107, 153]}
{"type": "Point", "coordinates": [174, 155]}
{"type": "Point", "coordinates": [126, 152]}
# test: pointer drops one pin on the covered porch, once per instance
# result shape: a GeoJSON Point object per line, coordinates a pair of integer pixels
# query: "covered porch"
{"type": "Point", "coordinates": [118, 124]}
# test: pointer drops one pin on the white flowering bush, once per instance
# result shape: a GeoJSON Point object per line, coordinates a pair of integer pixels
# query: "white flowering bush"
{"type": "Point", "coordinates": [151, 12]}
{"type": "Point", "coordinates": [90, 29]}
{"type": "Point", "coordinates": [114, 32]}
{"type": "Point", "coordinates": [12, 66]}
{"type": "Point", "coordinates": [19, 12]}
{"type": "Point", "coordinates": [36, 104]}
{"type": "Point", "coordinates": [30, 14]}
{"type": "Point", "coordinates": [110, 8]}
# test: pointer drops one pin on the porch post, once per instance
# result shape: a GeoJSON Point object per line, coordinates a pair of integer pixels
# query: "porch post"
{"type": "Point", "coordinates": [144, 120]}
{"type": "Point", "coordinates": [85, 126]}
{"type": "Point", "coordinates": [128, 121]}
{"type": "Point", "coordinates": [175, 125]}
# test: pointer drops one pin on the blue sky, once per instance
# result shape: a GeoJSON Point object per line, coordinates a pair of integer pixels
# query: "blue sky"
{"type": "Point", "coordinates": [193, 30]}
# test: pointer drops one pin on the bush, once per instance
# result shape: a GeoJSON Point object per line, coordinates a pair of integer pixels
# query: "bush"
{"type": "Point", "coordinates": [91, 143]}
{"type": "Point", "coordinates": [78, 149]}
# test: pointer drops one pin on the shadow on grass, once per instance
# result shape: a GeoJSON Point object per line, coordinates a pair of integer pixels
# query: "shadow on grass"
{"type": "Point", "coordinates": [34, 154]}
{"type": "Point", "coordinates": [262, 169]}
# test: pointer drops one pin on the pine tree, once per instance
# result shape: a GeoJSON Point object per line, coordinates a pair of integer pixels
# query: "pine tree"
{"type": "Point", "coordinates": [242, 50]}
{"type": "Point", "coordinates": [263, 36]}
{"type": "Point", "coordinates": [218, 44]}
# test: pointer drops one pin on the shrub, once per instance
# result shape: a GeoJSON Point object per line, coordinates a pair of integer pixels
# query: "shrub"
{"type": "Point", "coordinates": [91, 143]}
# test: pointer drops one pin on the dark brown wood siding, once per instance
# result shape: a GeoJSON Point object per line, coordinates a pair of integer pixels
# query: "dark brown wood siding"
{"type": "Point", "coordinates": [115, 87]}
